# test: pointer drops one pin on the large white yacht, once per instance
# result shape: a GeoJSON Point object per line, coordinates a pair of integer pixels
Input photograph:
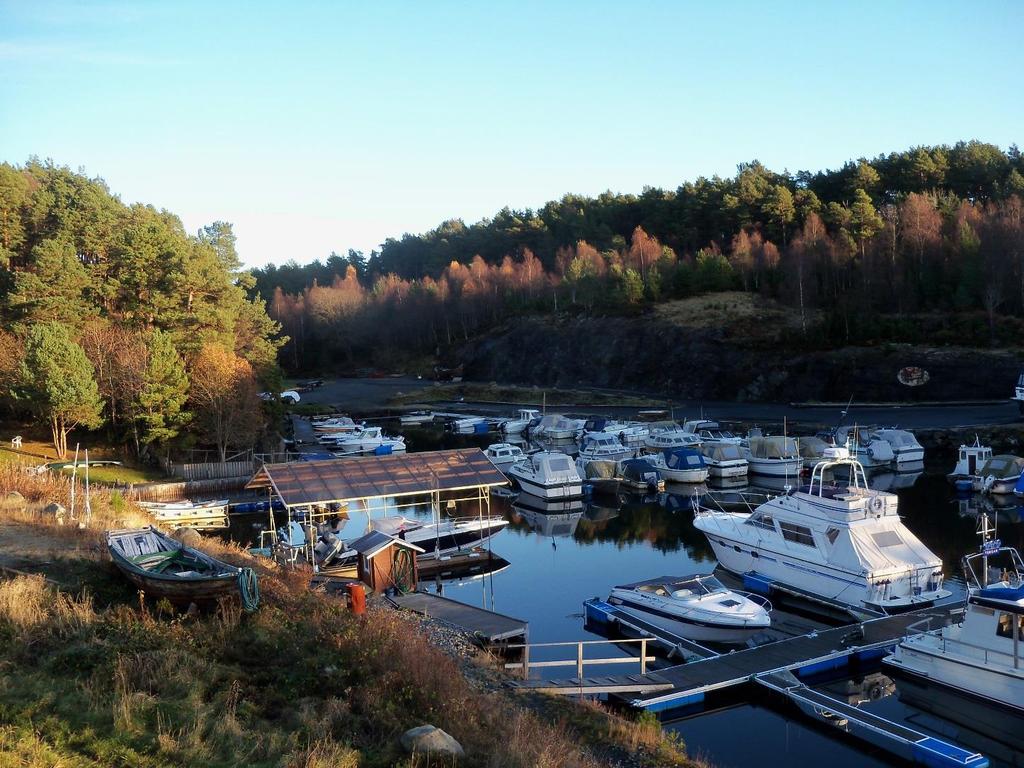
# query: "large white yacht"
{"type": "Point", "coordinates": [982, 657]}
{"type": "Point", "coordinates": [547, 474]}
{"type": "Point", "coordinates": [844, 545]}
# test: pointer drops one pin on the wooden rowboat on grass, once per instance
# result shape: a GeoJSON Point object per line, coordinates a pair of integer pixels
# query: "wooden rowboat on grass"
{"type": "Point", "coordinates": [164, 568]}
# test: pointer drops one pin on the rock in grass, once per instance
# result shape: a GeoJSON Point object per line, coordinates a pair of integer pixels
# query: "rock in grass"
{"type": "Point", "coordinates": [430, 740]}
{"type": "Point", "coordinates": [56, 511]}
{"type": "Point", "coordinates": [190, 537]}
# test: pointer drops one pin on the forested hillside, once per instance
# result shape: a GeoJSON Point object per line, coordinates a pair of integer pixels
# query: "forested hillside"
{"type": "Point", "coordinates": [931, 229]}
{"type": "Point", "coordinates": [115, 315]}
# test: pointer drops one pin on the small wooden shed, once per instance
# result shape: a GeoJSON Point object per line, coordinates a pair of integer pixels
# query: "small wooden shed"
{"type": "Point", "coordinates": [386, 561]}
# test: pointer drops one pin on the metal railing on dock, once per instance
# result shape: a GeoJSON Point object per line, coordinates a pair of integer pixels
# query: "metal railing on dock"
{"type": "Point", "coordinates": [580, 661]}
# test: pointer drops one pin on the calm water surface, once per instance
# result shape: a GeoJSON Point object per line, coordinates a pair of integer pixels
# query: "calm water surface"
{"type": "Point", "coordinates": [558, 560]}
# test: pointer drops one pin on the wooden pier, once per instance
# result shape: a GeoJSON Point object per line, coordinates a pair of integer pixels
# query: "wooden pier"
{"type": "Point", "coordinates": [673, 644]}
{"type": "Point", "coordinates": [592, 686]}
{"type": "Point", "coordinates": [485, 626]}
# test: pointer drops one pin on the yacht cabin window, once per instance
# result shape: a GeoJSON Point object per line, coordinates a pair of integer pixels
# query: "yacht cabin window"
{"type": "Point", "coordinates": [832, 534]}
{"type": "Point", "coordinates": [1006, 622]}
{"type": "Point", "coordinates": [559, 464]}
{"type": "Point", "coordinates": [797, 534]}
{"type": "Point", "coordinates": [762, 520]}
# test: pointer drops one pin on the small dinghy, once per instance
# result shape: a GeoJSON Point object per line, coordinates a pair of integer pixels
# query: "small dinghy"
{"type": "Point", "coordinates": [164, 568]}
{"type": "Point", "coordinates": [697, 607]}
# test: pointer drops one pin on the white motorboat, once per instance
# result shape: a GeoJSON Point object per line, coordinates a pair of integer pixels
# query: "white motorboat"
{"type": "Point", "coordinates": [970, 459]}
{"type": "Point", "coordinates": [518, 424]}
{"type": "Point", "coordinates": [698, 607]}
{"type": "Point", "coordinates": [905, 448]}
{"type": "Point", "coordinates": [415, 418]}
{"type": "Point", "coordinates": [999, 474]}
{"type": "Point", "coordinates": [554, 426]}
{"type": "Point", "coordinates": [547, 474]}
{"type": "Point", "coordinates": [504, 455]}
{"type": "Point", "coordinates": [982, 657]}
{"type": "Point", "coordinates": [842, 544]}
{"type": "Point", "coordinates": [724, 460]}
{"type": "Point", "coordinates": [470, 425]}
{"type": "Point", "coordinates": [774, 456]}
{"type": "Point", "coordinates": [437, 539]}
{"type": "Point", "coordinates": [201, 515]}
{"type": "Point", "coordinates": [869, 450]}
{"type": "Point", "coordinates": [335, 425]}
{"type": "Point", "coordinates": [680, 465]}
{"type": "Point", "coordinates": [670, 438]}
{"type": "Point", "coordinates": [369, 440]}
{"type": "Point", "coordinates": [603, 446]}
{"type": "Point", "coordinates": [707, 431]}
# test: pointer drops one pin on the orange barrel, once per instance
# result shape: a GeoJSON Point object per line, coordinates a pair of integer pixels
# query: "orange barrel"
{"type": "Point", "coordinates": [357, 597]}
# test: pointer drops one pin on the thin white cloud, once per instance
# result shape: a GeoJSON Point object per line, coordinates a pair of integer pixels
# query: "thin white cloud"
{"type": "Point", "coordinates": [49, 52]}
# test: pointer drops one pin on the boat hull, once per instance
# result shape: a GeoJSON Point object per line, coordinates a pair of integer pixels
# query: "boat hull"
{"type": "Point", "coordinates": [1001, 688]}
{"type": "Point", "coordinates": [709, 633]}
{"type": "Point", "coordinates": [728, 470]}
{"type": "Point", "coordinates": [773, 468]}
{"type": "Point", "coordinates": [566, 490]}
{"type": "Point", "coordinates": [684, 475]}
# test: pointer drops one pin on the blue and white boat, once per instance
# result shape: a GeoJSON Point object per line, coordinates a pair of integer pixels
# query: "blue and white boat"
{"type": "Point", "coordinates": [845, 545]}
{"type": "Point", "coordinates": [982, 657]}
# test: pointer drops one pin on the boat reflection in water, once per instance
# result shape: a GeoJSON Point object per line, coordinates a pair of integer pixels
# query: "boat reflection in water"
{"type": "Point", "coordinates": [992, 730]}
{"type": "Point", "coordinates": [549, 517]}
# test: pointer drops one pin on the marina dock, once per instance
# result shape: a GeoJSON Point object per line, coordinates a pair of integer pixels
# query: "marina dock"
{"type": "Point", "coordinates": [487, 627]}
{"type": "Point", "coordinates": [893, 737]}
{"type": "Point", "coordinates": [804, 656]}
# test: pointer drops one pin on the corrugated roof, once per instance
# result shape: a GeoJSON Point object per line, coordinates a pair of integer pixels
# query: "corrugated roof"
{"type": "Point", "coordinates": [375, 542]}
{"type": "Point", "coordinates": [373, 477]}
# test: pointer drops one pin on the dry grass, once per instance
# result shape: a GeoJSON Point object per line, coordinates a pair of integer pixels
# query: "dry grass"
{"type": "Point", "coordinates": [732, 311]}
{"type": "Point", "coordinates": [300, 683]}
{"type": "Point", "coordinates": [472, 392]}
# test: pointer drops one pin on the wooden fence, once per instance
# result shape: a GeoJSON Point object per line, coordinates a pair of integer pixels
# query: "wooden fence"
{"type": "Point", "coordinates": [212, 470]}
{"type": "Point", "coordinates": [176, 491]}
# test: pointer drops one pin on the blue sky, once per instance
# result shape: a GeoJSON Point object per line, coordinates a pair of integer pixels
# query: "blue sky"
{"type": "Point", "coordinates": [322, 126]}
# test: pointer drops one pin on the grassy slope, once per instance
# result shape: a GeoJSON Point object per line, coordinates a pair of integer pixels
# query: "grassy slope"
{"type": "Point", "coordinates": [92, 675]}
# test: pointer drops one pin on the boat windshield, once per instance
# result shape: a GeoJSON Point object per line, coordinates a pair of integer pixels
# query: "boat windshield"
{"type": "Point", "coordinates": [704, 585]}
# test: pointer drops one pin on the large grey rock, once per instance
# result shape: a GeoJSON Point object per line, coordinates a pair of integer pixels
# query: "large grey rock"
{"type": "Point", "coordinates": [428, 739]}
{"type": "Point", "coordinates": [190, 537]}
{"type": "Point", "coordinates": [56, 511]}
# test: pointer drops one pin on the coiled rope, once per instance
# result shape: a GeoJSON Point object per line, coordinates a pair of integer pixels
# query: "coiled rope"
{"type": "Point", "coordinates": [249, 589]}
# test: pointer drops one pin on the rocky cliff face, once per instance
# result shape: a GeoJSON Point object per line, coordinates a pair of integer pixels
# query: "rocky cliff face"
{"type": "Point", "coordinates": [652, 355]}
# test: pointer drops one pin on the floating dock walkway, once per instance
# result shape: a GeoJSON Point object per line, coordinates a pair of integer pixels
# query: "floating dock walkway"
{"type": "Point", "coordinates": [805, 655]}
{"type": "Point", "coordinates": [486, 626]}
{"type": "Point", "coordinates": [674, 645]}
{"type": "Point", "coordinates": [620, 684]}
{"type": "Point", "coordinates": [893, 737]}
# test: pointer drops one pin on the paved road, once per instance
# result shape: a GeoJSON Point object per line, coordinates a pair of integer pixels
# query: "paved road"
{"type": "Point", "coordinates": [371, 395]}
{"type": "Point", "coordinates": [363, 395]}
